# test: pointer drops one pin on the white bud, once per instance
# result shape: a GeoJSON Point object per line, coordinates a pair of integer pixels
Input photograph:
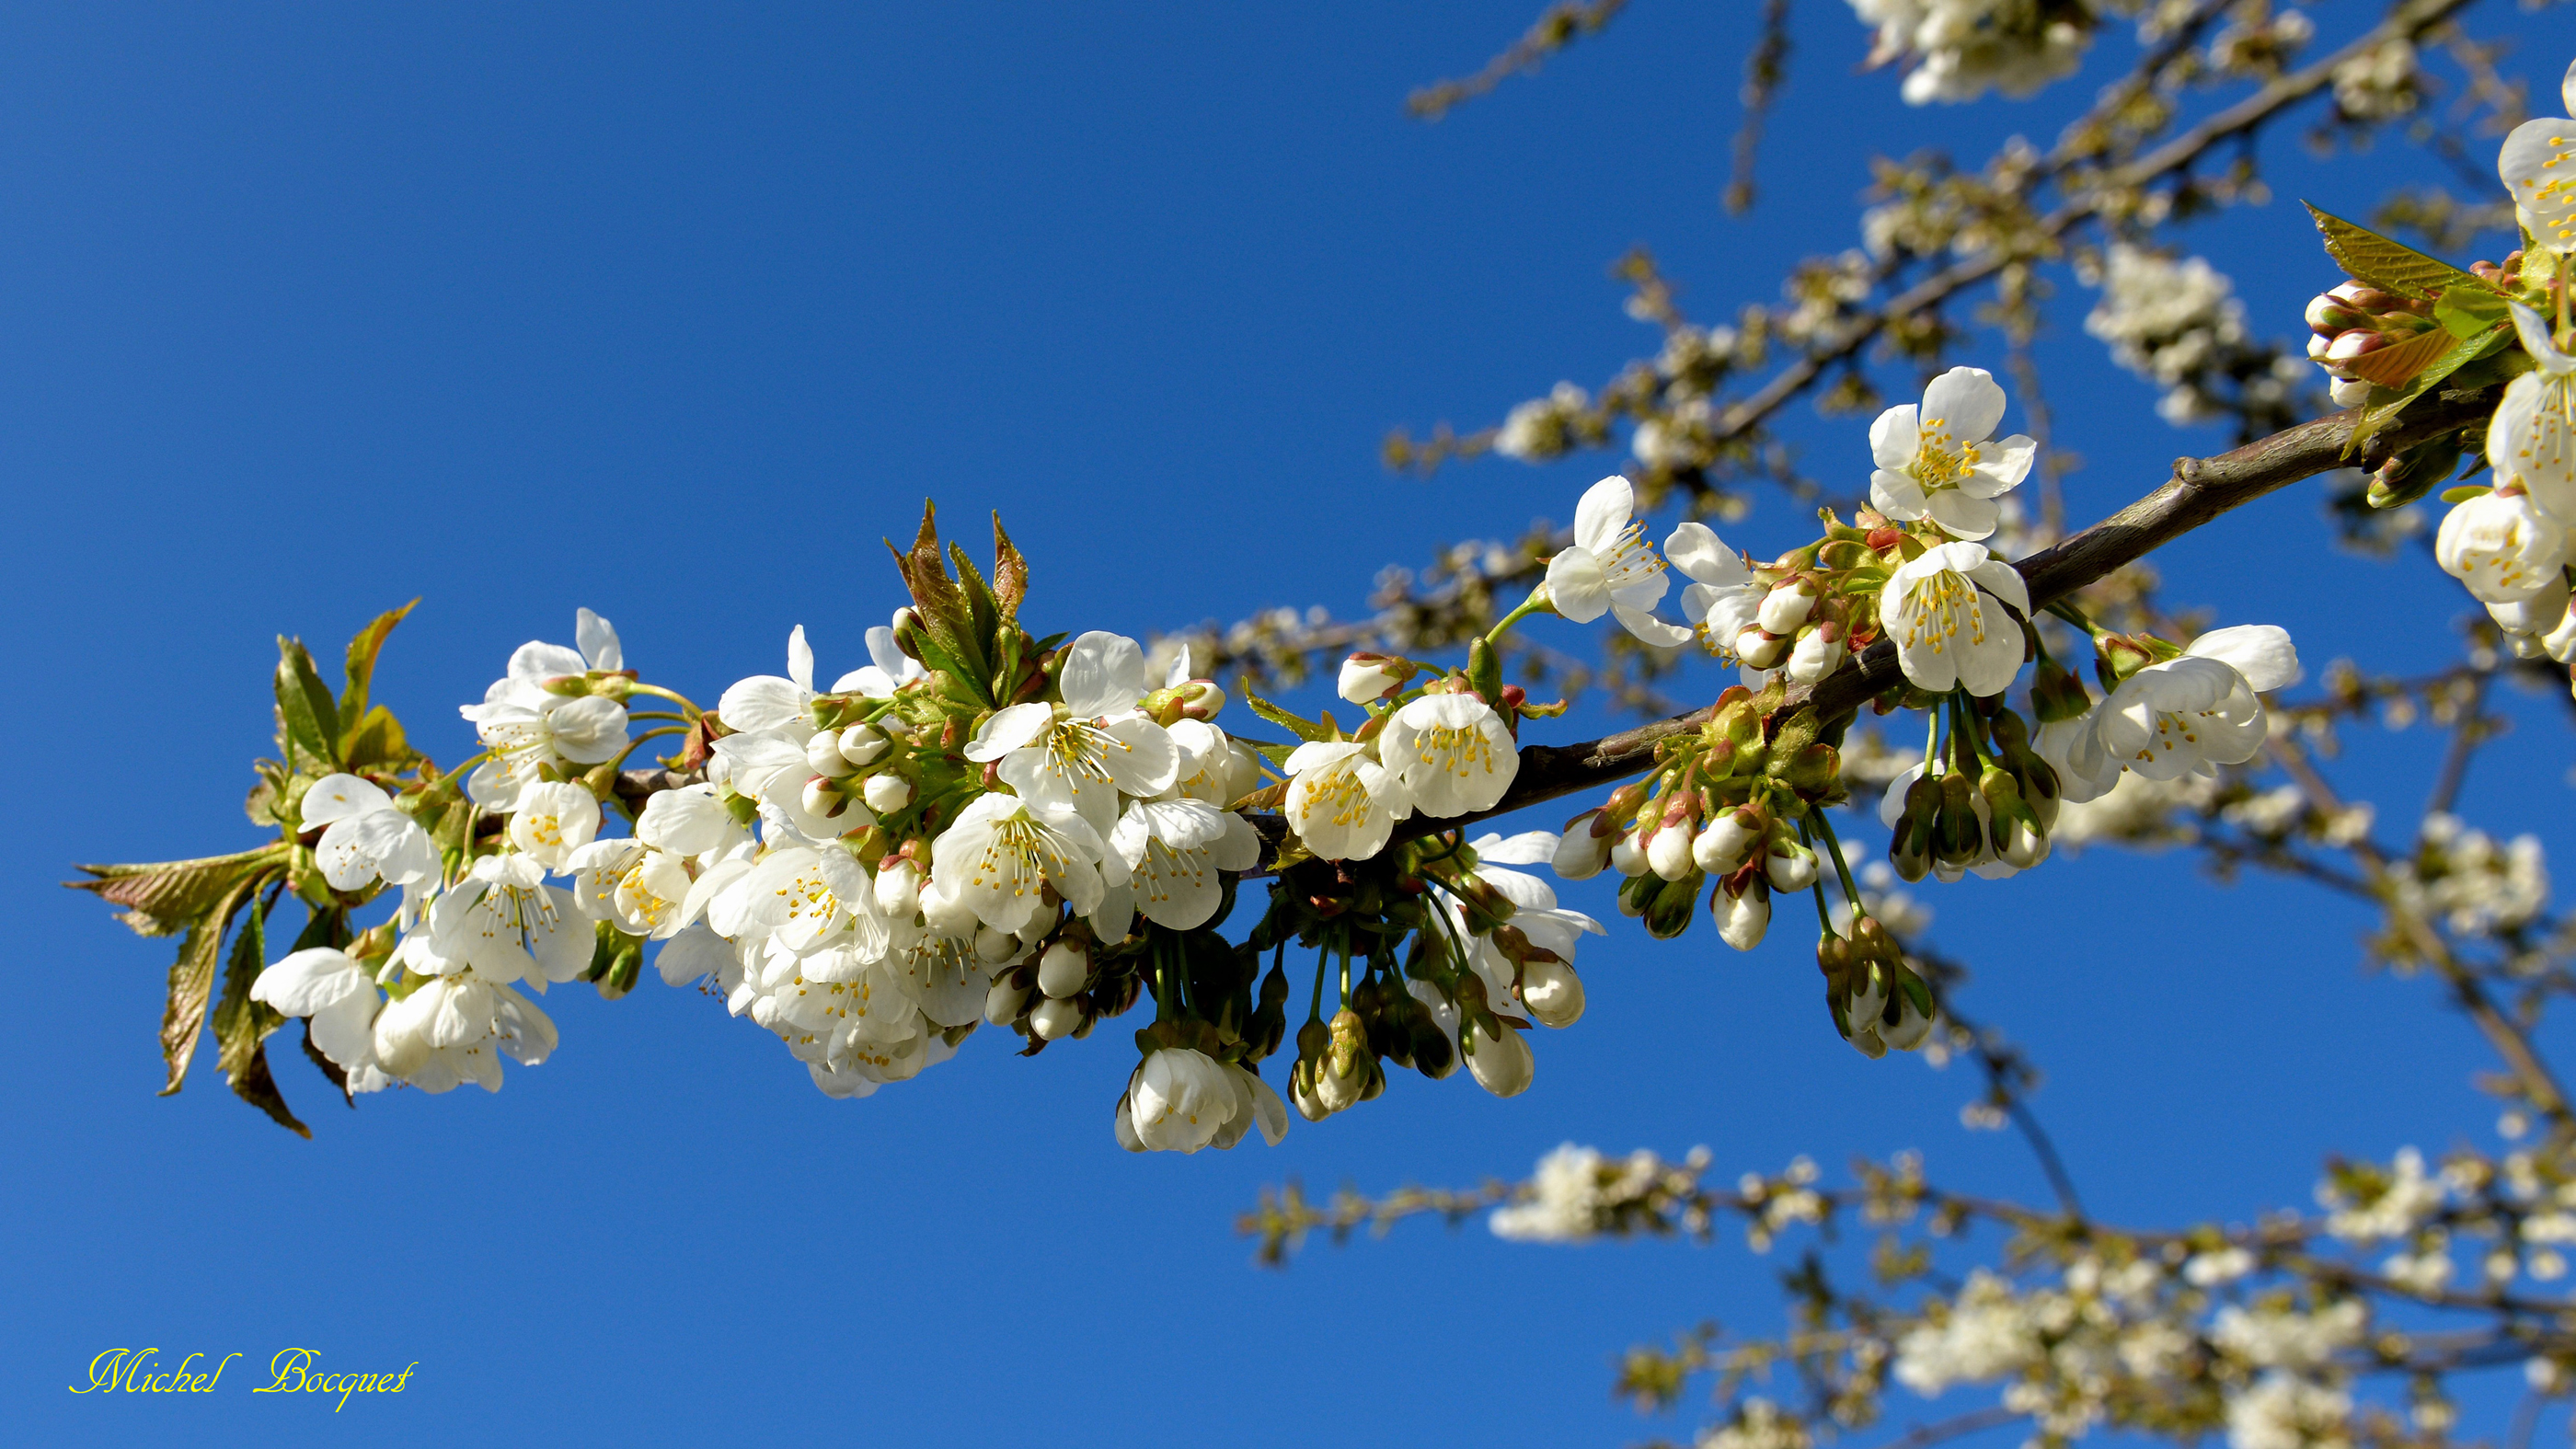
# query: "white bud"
{"type": "Point", "coordinates": [1002, 1003]}
{"type": "Point", "coordinates": [1502, 1066]}
{"type": "Point", "coordinates": [2349, 392]}
{"type": "Point", "coordinates": [2560, 643]}
{"type": "Point", "coordinates": [995, 947]}
{"type": "Point", "coordinates": [1742, 919]}
{"type": "Point", "coordinates": [823, 798]}
{"type": "Point", "coordinates": [1063, 969]}
{"type": "Point", "coordinates": [1552, 992]}
{"type": "Point", "coordinates": [1724, 844]}
{"type": "Point", "coordinates": [1669, 853]}
{"type": "Point", "coordinates": [2523, 646]}
{"type": "Point", "coordinates": [886, 794]}
{"type": "Point", "coordinates": [1819, 653]}
{"type": "Point", "coordinates": [1909, 1031]}
{"type": "Point", "coordinates": [945, 913]}
{"type": "Point", "coordinates": [1791, 867]}
{"type": "Point", "coordinates": [1123, 1127]}
{"type": "Point", "coordinates": [823, 752]}
{"type": "Point", "coordinates": [1626, 856]}
{"type": "Point", "coordinates": [898, 889]}
{"type": "Point", "coordinates": [1760, 650]}
{"type": "Point", "coordinates": [2022, 846]}
{"type": "Point", "coordinates": [861, 744]}
{"type": "Point", "coordinates": [1367, 677]}
{"type": "Point", "coordinates": [2538, 614]}
{"type": "Point", "coordinates": [1581, 854]}
{"type": "Point", "coordinates": [1052, 1019]}
{"type": "Point", "coordinates": [1787, 606]}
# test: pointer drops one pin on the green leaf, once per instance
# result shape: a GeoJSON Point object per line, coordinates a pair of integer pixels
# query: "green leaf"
{"type": "Point", "coordinates": [2465, 312]}
{"type": "Point", "coordinates": [192, 979]}
{"type": "Point", "coordinates": [242, 1026]}
{"type": "Point", "coordinates": [944, 609]}
{"type": "Point", "coordinates": [377, 740]}
{"type": "Point", "coordinates": [2392, 366]}
{"type": "Point", "coordinates": [2375, 416]}
{"type": "Point", "coordinates": [362, 664]}
{"type": "Point", "coordinates": [166, 897]}
{"type": "Point", "coordinates": [2388, 265]}
{"type": "Point", "coordinates": [306, 712]}
{"type": "Point", "coordinates": [1010, 573]}
{"type": "Point", "coordinates": [1304, 729]}
{"type": "Point", "coordinates": [2465, 492]}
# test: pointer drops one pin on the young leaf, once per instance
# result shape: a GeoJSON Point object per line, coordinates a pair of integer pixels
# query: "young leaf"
{"type": "Point", "coordinates": [1010, 573]}
{"type": "Point", "coordinates": [192, 979]}
{"type": "Point", "coordinates": [2375, 416]}
{"type": "Point", "coordinates": [242, 1025]}
{"type": "Point", "coordinates": [166, 897]}
{"type": "Point", "coordinates": [305, 709]}
{"type": "Point", "coordinates": [376, 740]}
{"type": "Point", "coordinates": [362, 664]}
{"type": "Point", "coordinates": [2388, 265]}
{"type": "Point", "coordinates": [2392, 366]}
{"type": "Point", "coordinates": [1304, 729]}
{"type": "Point", "coordinates": [944, 611]}
{"type": "Point", "coordinates": [2465, 312]}
{"type": "Point", "coordinates": [979, 597]}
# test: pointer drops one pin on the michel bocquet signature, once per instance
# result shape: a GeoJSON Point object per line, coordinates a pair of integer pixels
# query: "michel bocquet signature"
{"type": "Point", "coordinates": [291, 1371]}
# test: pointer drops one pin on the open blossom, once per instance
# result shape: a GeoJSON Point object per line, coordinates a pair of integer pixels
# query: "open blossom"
{"type": "Point", "coordinates": [1170, 852]}
{"type": "Point", "coordinates": [2532, 440]}
{"type": "Point", "coordinates": [337, 996]}
{"type": "Point", "coordinates": [1611, 568]}
{"type": "Point", "coordinates": [455, 1029]}
{"type": "Point", "coordinates": [1452, 752]}
{"type": "Point", "coordinates": [525, 726]}
{"type": "Point", "coordinates": [1002, 851]}
{"type": "Point", "coordinates": [2189, 715]}
{"type": "Point", "coordinates": [365, 835]}
{"type": "Point", "coordinates": [1341, 802]}
{"type": "Point", "coordinates": [504, 923]}
{"type": "Point", "coordinates": [1179, 1100]}
{"type": "Point", "coordinates": [2501, 547]}
{"type": "Point", "coordinates": [2538, 164]}
{"type": "Point", "coordinates": [1962, 48]}
{"type": "Point", "coordinates": [1099, 747]}
{"type": "Point", "coordinates": [1938, 461]}
{"type": "Point", "coordinates": [1946, 612]}
{"type": "Point", "coordinates": [553, 820]}
{"type": "Point", "coordinates": [1724, 597]}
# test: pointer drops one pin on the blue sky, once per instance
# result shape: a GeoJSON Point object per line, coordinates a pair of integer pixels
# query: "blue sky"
{"type": "Point", "coordinates": [673, 313]}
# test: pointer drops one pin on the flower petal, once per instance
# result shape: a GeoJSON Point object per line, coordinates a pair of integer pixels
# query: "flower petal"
{"type": "Point", "coordinates": [1103, 674]}
{"type": "Point", "coordinates": [1008, 730]}
{"type": "Point", "coordinates": [598, 640]}
{"type": "Point", "coordinates": [1603, 513]}
{"type": "Point", "coordinates": [1703, 557]}
{"type": "Point", "coordinates": [800, 659]}
{"type": "Point", "coordinates": [1894, 438]}
{"type": "Point", "coordinates": [1650, 629]}
{"type": "Point", "coordinates": [1965, 400]}
{"type": "Point", "coordinates": [2261, 652]}
{"type": "Point", "coordinates": [2000, 466]}
{"type": "Point", "coordinates": [1897, 495]}
{"type": "Point", "coordinates": [1963, 514]}
{"type": "Point", "coordinates": [1578, 585]}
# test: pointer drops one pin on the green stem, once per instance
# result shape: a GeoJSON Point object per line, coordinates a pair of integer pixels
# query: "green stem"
{"type": "Point", "coordinates": [656, 732]}
{"type": "Point", "coordinates": [658, 692]}
{"type": "Point", "coordinates": [2065, 609]}
{"type": "Point", "coordinates": [1535, 603]}
{"type": "Point", "coordinates": [656, 714]}
{"type": "Point", "coordinates": [1315, 1007]}
{"type": "Point", "coordinates": [448, 780]}
{"type": "Point", "coordinates": [1842, 871]}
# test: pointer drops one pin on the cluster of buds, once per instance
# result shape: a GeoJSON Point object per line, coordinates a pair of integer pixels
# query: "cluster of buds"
{"type": "Point", "coordinates": [1723, 812]}
{"type": "Point", "coordinates": [1987, 803]}
{"type": "Point", "coordinates": [1878, 1002]}
{"type": "Point", "coordinates": [2355, 320]}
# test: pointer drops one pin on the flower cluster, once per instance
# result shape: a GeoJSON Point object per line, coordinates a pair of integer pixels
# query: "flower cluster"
{"type": "Point", "coordinates": [1960, 49]}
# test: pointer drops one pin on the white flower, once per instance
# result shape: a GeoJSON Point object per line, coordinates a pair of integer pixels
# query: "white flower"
{"type": "Point", "coordinates": [1963, 47]}
{"type": "Point", "coordinates": [2538, 164]}
{"type": "Point", "coordinates": [1179, 1100]}
{"type": "Point", "coordinates": [642, 889]}
{"type": "Point", "coordinates": [1935, 461]}
{"type": "Point", "coordinates": [2501, 547]}
{"type": "Point", "coordinates": [2532, 439]}
{"type": "Point", "coordinates": [1611, 568]}
{"type": "Point", "coordinates": [2187, 716]}
{"type": "Point", "coordinates": [891, 669]}
{"type": "Point", "coordinates": [2073, 748]}
{"type": "Point", "coordinates": [690, 820]}
{"type": "Point", "coordinates": [1942, 611]}
{"type": "Point", "coordinates": [506, 924]}
{"type": "Point", "coordinates": [1101, 746]}
{"type": "Point", "coordinates": [553, 820]}
{"type": "Point", "coordinates": [1565, 1204]}
{"type": "Point", "coordinates": [766, 702]}
{"type": "Point", "coordinates": [1452, 752]}
{"type": "Point", "coordinates": [1168, 854]}
{"type": "Point", "coordinates": [1342, 803]}
{"type": "Point", "coordinates": [454, 1029]}
{"type": "Point", "coordinates": [365, 835]}
{"type": "Point", "coordinates": [1002, 851]}
{"type": "Point", "coordinates": [525, 726]}
{"type": "Point", "coordinates": [337, 997]}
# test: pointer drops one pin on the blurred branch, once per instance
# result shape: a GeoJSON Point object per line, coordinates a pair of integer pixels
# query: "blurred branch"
{"type": "Point", "coordinates": [1558, 28]}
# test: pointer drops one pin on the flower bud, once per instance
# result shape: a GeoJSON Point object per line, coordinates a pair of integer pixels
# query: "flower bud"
{"type": "Point", "coordinates": [860, 744]}
{"type": "Point", "coordinates": [995, 947]}
{"type": "Point", "coordinates": [1668, 854]}
{"type": "Point", "coordinates": [2560, 642]}
{"type": "Point", "coordinates": [1741, 920]}
{"type": "Point", "coordinates": [1760, 649]}
{"type": "Point", "coordinates": [1051, 1019]}
{"type": "Point", "coordinates": [898, 889]}
{"type": "Point", "coordinates": [1301, 1091]}
{"type": "Point", "coordinates": [886, 794]}
{"type": "Point", "coordinates": [1580, 855]}
{"type": "Point", "coordinates": [1638, 892]}
{"type": "Point", "coordinates": [1063, 969]}
{"type": "Point", "coordinates": [1669, 912]}
{"type": "Point", "coordinates": [824, 798]}
{"type": "Point", "coordinates": [2535, 615]}
{"type": "Point", "coordinates": [1787, 605]}
{"type": "Point", "coordinates": [1728, 840]}
{"type": "Point", "coordinates": [1501, 1065]}
{"type": "Point", "coordinates": [1789, 866]}
{"type": "Point", "coordinates": [1123, 1127]}
{"type": "Point", "coordinates": [2349, 392]}
{"type": "Point", "coordinates": [823, 753]}
{"type": "Point", "coordinates": [1200, 699]}
{"type": "Point", "coordinates": [945, 913]}
{"type": "Point", "coordinates": [1002, 1003]}
{"type": "Point", "coordinates": [1819, 653]}
{"type": "Point", "coordinates": [1368, 677]}
{"type": "Point", "coordinates": [1627, 856]}
{"type": "Point", "coordinates": [1552, 992]}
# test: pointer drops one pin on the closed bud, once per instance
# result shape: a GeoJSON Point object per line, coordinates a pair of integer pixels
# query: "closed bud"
{"type": "Point", "coordinates": [1638, 892]}
{"type": "Point", "coordinates": [1501, 1065]}
{"type": "Point", "coordinates": [824, 798]}
{"type": "Point", "coordinates": [1064, 969]}
{"type": "Point", "coordinates": [1627, 856]}
{"type": "Point", "coordinates": [1761, 649]}
{"type": "Point", "coordinates": [1433, 1055]}
{"type": "Point", "coordinates": [1669, 854]}
{"type": "Point", "coordinates": [886, 794]}
{"type": "Point", "coordinates": [1552, 992]}
{"type": "Point", "coordinates": [1052, 1019]}
{"type": "Point", "coordinates": [898, 889]}
{"type": "Point", "coordinates": [1789, 866]}
{"type": "Point", "coordinates": [1742, 919]}
{"type": "Point", "coordinates": [1958, 837]}
{"type": "Point", "coordinates": [823, 753]}
{"type": "Point", "coordinates": [1003, 1002]}
{"type": "Point", "coordinates": [2057, 694]}
{"type": "Point", "coordinates": [1580, 855]}
{"type": "Point", "coordinates": [1787, 605]}
{"type": "Point", "coordinates": [1301, 1092]}
{"type": "Point", "coordinates": [1819, 653]}
{"type": "Point", "coordinates": [861, 744]}
{"type": "Point", "coordinates": [1675, 902]}
{"type": "Point", "coordinates": [995, 947]}
{"type": "Point", "coordinates": [1367, 677]}
{"type": "Point", "coordinates": [946, 914]}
